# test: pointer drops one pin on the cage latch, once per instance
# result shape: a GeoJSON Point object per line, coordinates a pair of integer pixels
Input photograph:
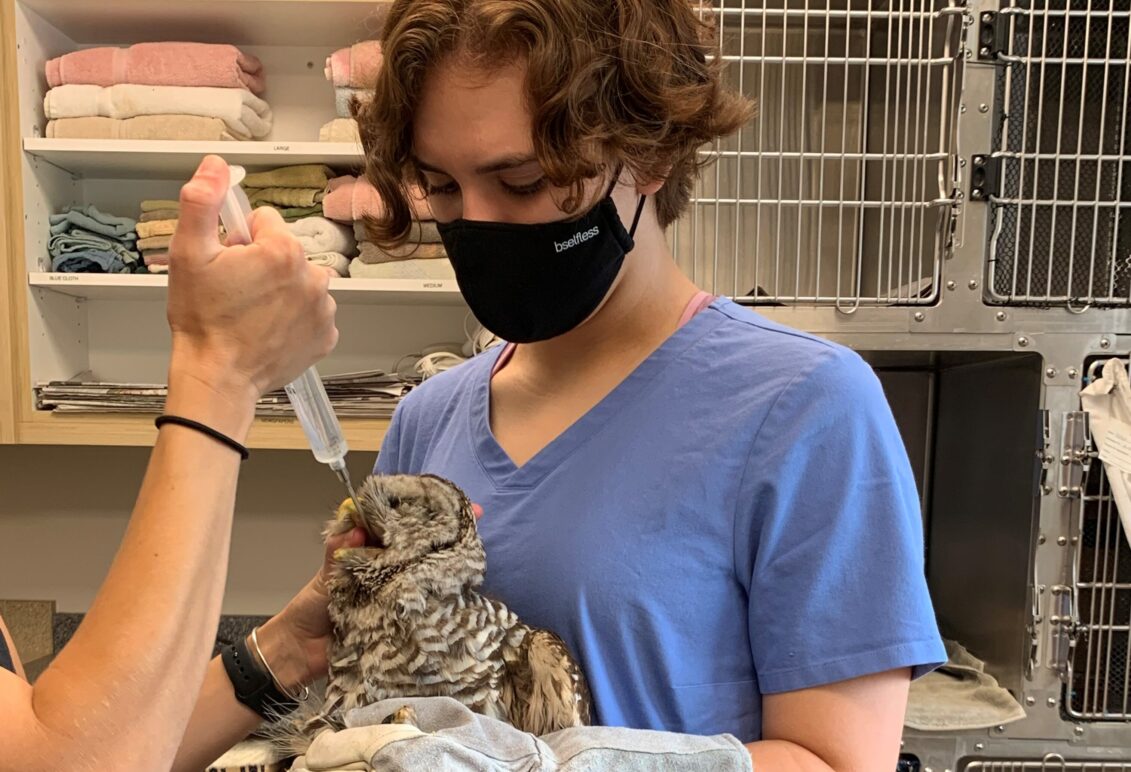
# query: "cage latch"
{"type": "Point", "coordinates": [985, 177]}
{"type": "Point", "coordinates": [1062, 623]}
{"type": "Point", "coordinates": [993, 35]}
{"type": "Point", "coordinates": [1075, 454]}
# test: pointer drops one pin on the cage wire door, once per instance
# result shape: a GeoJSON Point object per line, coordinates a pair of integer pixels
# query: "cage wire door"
{"type": "Point", "coordinates": [1054, 762]}
{"type": "Point", "coordinates": [841, 192]}
{"type": "Point", "coordinates": [1099, 667]}
{"type": "Point", "coordinates": [1061, 221]}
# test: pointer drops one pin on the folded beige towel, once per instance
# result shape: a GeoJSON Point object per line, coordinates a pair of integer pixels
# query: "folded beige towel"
{"type": "Point", "coordinates": [154, 204]}
{"type": "Point", "coordinates": [305, 176]}
{"type": "Point", "coordinates": [183, 128]}
{"type": "Point", "coordinates": [419, 232]}
{"type": "Point", "coordinates": [960, 696]}
{"type": "Point", "coordinates": [160, 214]}
{"type": "Point", "coordinates": [154, 243]}
{"type": "Point", "coordinates": [285, 197]}
{"type": "Point", "coordinates": [403, 269]}
{"type": "Point", "coordinates": [340, 130]}
{"type": "Point", "coordinates": [147, 230]}
{"type": "Point", "coordinates": [375, 255]}
{"type": "Point", "coordinates": [335, 261]}
{"type": "Point", "coordinates": [242, 111]}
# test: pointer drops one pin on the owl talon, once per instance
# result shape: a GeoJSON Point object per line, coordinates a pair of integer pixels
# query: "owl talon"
{"type": "Point", "coordinates": [405, 715]}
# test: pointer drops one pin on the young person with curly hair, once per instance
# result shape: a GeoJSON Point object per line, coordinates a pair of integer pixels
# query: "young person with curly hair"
{"type": "Point", "coordinates": [716, 512]}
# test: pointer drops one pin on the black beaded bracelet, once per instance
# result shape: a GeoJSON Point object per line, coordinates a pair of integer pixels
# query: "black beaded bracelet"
{"type": "Point", "coordinates": [254, 687]}
{"type": "Point", "coordinates": [208, 430]}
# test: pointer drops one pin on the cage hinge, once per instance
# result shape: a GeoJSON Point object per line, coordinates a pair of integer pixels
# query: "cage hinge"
{"type": "Point", "coordinates": [1075, 454]}
{"type": "Point", "coordinates": [1062, 623]}
{"type": "Point", "coordinates": [985, 177]}
{"type": "Point", "coordinates": [1045, 457]}
{"type": "Point", "coordinates": [993, 35]}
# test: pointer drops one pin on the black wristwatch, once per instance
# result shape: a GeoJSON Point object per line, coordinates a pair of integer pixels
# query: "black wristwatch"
{"type": "Point", "coordinates": [253, 684]}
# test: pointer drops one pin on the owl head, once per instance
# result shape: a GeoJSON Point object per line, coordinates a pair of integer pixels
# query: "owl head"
{"type": "Point", "coordinates": [420, 530]}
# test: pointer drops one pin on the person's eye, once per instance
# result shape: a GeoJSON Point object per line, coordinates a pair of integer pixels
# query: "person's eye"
{"type": "Point", "coordinates": [528, 189]}
{"type": "Point", "coordinates": [447, 189]}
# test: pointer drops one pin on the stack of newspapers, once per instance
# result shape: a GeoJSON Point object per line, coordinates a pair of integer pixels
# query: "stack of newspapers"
{"type": "Point", "coordinates": [368, 394]}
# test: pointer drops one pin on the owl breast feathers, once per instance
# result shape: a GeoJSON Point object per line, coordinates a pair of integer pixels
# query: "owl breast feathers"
{"type": "Point", "coordinates": [409, 621]}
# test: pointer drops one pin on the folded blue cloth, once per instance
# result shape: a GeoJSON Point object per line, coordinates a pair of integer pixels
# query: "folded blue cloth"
{"type": "Point", "coordinates": [453, 738]}
{"type": "Point", "coordinates": [90, 261]}
{"type": "Point", "coordinates": [78, 240]}
{"type": "Point", "coordinates": [90, 219]}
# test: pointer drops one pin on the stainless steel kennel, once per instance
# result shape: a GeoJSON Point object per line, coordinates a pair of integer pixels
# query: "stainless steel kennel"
{"type": "Point", "coordinates": [946, 187]}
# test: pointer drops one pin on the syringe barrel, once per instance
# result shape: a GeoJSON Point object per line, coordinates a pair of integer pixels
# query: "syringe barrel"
{"type": "Point", "coordinates": [307, 394]}
{"type": "Point", "coordinates": [312, 406]}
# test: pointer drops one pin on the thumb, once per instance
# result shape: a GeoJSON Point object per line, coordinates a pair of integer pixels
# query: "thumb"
{"type": "Point", "coordinates": [197, 236]}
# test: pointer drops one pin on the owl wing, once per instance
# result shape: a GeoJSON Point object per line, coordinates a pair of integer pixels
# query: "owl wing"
{"type": "Point", "coordinates": [544, 688]}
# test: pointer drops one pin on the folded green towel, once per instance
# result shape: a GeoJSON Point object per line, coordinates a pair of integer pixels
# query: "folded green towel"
{"type": "Point", "coordinates": [286, 197]}
{"type": "Point", "coordinates": [160, 214]}
{"type": "Point", "coordinates": [306, 176]}
{"type": "Point", "coordinates": [292, 213]}
{"type": "Point", "coordinates": [159, 203]}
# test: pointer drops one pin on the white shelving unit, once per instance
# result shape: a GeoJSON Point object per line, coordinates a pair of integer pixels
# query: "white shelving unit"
{"type": "Point", "coordinates": [157, 159]}
{"type": "Point", "coordinates": [96, 286]}
{"type": "Point", "coordinates": [113, 327]}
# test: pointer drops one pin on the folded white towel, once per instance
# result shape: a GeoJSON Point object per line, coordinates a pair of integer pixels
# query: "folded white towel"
{"type": "Point", "coordinates": [242, 111]}
{"type": "Point", "coordinates": [317, 235]}
{"type": "Point", "coordinates": [335, 261]}
{"type": "Point", "coordinates": [403, 269]}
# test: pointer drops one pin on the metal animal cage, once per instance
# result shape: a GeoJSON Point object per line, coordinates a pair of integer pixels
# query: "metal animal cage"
{"type": "Point", "coordinates": [1061, 216]}
{"type": "Point", "coordinates": [842, 191]}
{"type": "Point", "coordinates": [1099, 666]}
{"type": "Point", "coordinates": [1051, 763]}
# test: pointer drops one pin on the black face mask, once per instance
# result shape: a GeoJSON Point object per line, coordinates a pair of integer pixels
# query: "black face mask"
{"type": "Point", "coordinates": [528, 283]}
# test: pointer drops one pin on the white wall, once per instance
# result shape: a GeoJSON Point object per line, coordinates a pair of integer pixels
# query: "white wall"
{"type": "Point", "coordinates": [64, 509]}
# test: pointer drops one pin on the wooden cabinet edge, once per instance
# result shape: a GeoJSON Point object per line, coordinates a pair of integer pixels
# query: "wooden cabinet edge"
{"type": "Point", "coordinates": [362, 434]}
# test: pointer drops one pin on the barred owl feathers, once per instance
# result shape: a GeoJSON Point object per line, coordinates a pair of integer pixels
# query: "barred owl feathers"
{"type": "Point", "coordinates": [409, 622]}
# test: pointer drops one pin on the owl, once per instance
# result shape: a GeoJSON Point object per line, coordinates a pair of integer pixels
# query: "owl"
{"type": "Point", "coordinates": [409, 620]}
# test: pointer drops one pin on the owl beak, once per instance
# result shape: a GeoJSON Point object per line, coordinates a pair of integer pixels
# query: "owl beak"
{"type": "Point", "coordinates": [375, 535]}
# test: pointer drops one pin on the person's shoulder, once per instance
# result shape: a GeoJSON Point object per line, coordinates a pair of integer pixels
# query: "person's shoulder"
{"type": "Point", "coordinates": [746, 339]}
{"type": "Point", "coordinates": [435, 396]}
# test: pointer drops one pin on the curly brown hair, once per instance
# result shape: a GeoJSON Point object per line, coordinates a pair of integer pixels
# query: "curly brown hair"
{"type": "Point", "coordinates": [608, 81]}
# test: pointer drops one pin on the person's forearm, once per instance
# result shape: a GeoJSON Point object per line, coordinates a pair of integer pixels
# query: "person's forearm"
{"type": "Point", "coordinates": [782, 756]}
{"type": "Point", "coordinates": [219, 720]}
{"type": "Point", "coordinates": [146, 639]}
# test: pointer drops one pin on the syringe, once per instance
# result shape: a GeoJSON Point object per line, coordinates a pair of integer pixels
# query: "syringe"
{"type": "Point", "coordinates": [307, 394]}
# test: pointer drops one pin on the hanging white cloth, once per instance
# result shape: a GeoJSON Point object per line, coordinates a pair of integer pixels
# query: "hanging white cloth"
{"type": "Point", "coordinates": [1108, 403]}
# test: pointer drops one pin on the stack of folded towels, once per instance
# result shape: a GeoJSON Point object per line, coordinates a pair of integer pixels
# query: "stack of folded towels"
{"type": "Point", "coordinates": [85, 240]}
{"type": "Point", "coordinates": [173, 91]}
{"type": "Point", "coordinates": [296, 191]}
{"type": "Point", "coordinates": [155, 230]}
{"type": "Point", "coordinates": [353, 71]}
{"type": "Point", "coordinates": [351, 200]}
{"type": "Point", "coordinates": [326, 243]}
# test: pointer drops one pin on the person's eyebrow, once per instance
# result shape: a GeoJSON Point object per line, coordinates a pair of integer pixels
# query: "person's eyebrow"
{"type": "Point", "coordinates": [498, 165]}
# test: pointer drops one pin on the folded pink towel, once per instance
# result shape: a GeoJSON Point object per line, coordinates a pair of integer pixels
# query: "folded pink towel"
{"type": "Point", "coordinates": [356, 66]}
{"type": "Point", "coordinates": [159, 64]}
{"type": "Point", "coordinates": [349, 199]}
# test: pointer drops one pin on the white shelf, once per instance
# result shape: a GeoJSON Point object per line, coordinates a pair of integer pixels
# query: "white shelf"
{"type": "Point", "coordinates": [160, 159]}
{"type": "Point", "coordinates": [331, 23]}
{"type": "Point", "coordinates": [99, 286]}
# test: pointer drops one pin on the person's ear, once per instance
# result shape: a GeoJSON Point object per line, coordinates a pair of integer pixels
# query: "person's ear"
{"type": "Point", "coordinates": [651, 187]}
